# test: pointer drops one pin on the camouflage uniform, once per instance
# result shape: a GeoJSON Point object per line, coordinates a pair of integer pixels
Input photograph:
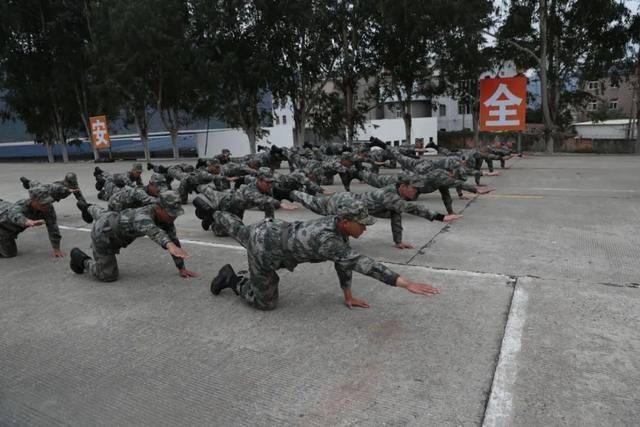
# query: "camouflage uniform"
{"type": "Point", "coordinates": [436, 179]}
{"type": "Point", "coordinates": [130, 198]}
{"type": "Point", "coordinates": [113, 231]}
{"type": "Point", "coordinates": [275, 244]}
{"type": "Point", "coordinates": [14, 216]}
{"type": "Point", "coordinates": [237, 201]}
{"type": "Point", "coordinates": [283, 184]}
{"type": "Point", "coordinates": [382, 203]}
{"type": "Point", "coordinates": [60, 190]}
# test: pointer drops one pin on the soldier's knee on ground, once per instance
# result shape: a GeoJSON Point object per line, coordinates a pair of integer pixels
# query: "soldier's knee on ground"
{"type": "Point", "coordinates": [8, 248]}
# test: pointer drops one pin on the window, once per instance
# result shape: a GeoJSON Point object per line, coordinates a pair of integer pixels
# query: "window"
{"type": "Point", "coordinates": [593, 85]}
{"type": "Point", "coordinates": [284, 120]}
{"type": "Point", "coordinates": [443, 110]}
{"type": "Point", "coordinates": [277, 119]}
{"type": "Point", "coordinates": [464, 109]}
{"type": "Point", "coordinates": [592, 106]}
{"type": "Point", "coordinates": [613, 104]}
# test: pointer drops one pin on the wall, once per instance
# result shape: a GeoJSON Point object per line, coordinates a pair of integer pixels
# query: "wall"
{"type": "Point", "coordinates": [564, 143]}
{"type": "Point", "coordinates": [393, 129]}
{"type": "Point", "coordinates": [603, 131]}
{"type": "Point", "coordinates": [238, 142]}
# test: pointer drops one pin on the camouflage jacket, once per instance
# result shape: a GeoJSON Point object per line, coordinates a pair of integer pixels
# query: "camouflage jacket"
{"type": "Point", "coordinates": [433, 180]}
{"type": "Point", "coordinates": [130, 198]}
{"type": "Point", "coordinates": [332, 166]}
{"type": "Point", "coordinates": [14, 216]}
{"type": "Point", "coordinates": [281, 244]}
{"type": "Point", "coordinates": [417, 166]}
{"type": "Point", "coordinates": [246, 197]}
{"type": "Point", "coordinates": [116, 230]}
{"type": "Point", "coordinates": [386, 203]}
{"type": "Point", "coordinates": [59, 191]}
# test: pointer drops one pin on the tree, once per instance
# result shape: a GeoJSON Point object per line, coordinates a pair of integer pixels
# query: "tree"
{"type": "Point", "coordinates": [573, 40]}
{"type": "Point", "coordinates": [234, 44]}
{"type": "Point", "coordinates": [422, 45]}
{"type": "Point", "coordinates": [305, 63]}
{"type": "Point", "coordinates": [36, 88]}
{"type": "Point", "coordinates": [350, 22]}
{"type": "Point", "coordinates": [175, 85]}
{"type": "Point", "coordinates": [128, 50]}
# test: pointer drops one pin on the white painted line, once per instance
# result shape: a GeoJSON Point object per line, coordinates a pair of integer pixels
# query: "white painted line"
{"type": "Point", "coordinates": [500, 405]}
{"type": "Point", "coordinates": [213, 245]}
{"type": "Point", "coordinates": [193, 242]}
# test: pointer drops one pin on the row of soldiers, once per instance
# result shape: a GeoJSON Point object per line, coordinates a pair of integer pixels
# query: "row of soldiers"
{"type": "Point", "coordinates": [227, 186]}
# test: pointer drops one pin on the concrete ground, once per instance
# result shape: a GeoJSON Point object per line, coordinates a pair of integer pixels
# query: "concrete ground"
{"type": "Point", "coordinates": [537, 322]}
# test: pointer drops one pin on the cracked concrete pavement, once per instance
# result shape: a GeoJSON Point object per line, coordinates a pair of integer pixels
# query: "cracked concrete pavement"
{"type": "Point", "coordinates": [536, 323]}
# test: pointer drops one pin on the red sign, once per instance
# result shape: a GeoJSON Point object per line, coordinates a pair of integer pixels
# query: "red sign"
{"type": "Point", "coordinates": [503, 104]}
{"type": "Point", "coordinates": [99, 132]}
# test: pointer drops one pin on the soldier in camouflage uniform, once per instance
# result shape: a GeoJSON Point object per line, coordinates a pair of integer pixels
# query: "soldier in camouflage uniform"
{"type": "Point", "coordinates": [436, 179]}
{"type": "Point", "coordinates": [475, 158]}
{"type": "Point", "coordinates": [224, 156]}
{"type": "Point", "coordinates": [275, 244]}
{"type": "Point", "coordinates": [113, 231]}
{"type": "Point", "coordinates": [133, 178]}
{"type": "Point", "coordinates": [25, 213]}
{"type": "Point", "coordinates": [299, 180]}
{"type": "Point", "coordinates": [387, 202]}
{"type": "Point", "coordinates": [131, 198]}
{"type": "Point", "coordinates": [59, 189]}
{"type": "Point", "coordinates": [258, 194]}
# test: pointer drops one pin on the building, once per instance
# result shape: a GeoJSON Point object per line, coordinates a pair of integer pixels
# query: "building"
{"type": "Point", "coordinates": [608, 129]}
{"type": "Point", "coordinates": [613, 96]}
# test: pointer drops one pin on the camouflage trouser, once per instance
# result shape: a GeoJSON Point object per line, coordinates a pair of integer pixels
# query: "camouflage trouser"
{"type": "Point", "coordinates": [327, 179]}
{"type": "Point", "coordinates": [489, 164]}
{"type": "Point", "coordinates": [316, 204]}
{"type": "Point", "coordinates": [8, 247]}
{"type": "Point", "coordinates": [103, 266]}
{"type": "Point", "coordinates": [502, 162]}
{"type": "Point", "coordinates": [346, 179]}
{"type": "Point", "coordinates": [260, 289]}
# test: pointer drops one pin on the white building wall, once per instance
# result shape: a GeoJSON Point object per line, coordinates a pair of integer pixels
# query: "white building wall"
{"type": "Point", "coordinates": [390, 130]}
{"type": "Point", "coordinates": [601, 131]}
{"type": "Point", "coordinates": [238, 142]}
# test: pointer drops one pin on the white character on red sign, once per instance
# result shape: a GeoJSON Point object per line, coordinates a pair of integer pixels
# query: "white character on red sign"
{"type": "Point", "coordinates": [503, 105]}
{"type": "Point", "coordinates": [99, 130]}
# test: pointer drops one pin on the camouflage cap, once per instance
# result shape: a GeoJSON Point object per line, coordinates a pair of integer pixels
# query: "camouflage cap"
{"type": "Point", "coordinates": [170, 202]}
{"type": "Point", "coordinates": [226, 151]}
{"type": "Point", "coordinates": [137, 167]}
{"type": "Point", "coordinates": [347, 155]}
{"type": "Point", "coordinates": [265, 174]}
{"type": "Point", "coordinates": [40, 194]}
{"type": "Point", "coordinates": [353, 209]}
{"type": "Point", "coordinates": [212, 162]}
{"type": "Point", "coordinates": [119, 180]}
{"type": "Point", "coordinates": [159, 181]}
{"type": "Point", "coordinates": [71, 179]}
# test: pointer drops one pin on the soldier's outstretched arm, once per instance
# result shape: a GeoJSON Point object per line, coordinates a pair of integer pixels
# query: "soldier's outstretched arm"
{"type": "Point", "coordinates": [55, 237]}
{"type": "Point", "coordinates": [345, 258]}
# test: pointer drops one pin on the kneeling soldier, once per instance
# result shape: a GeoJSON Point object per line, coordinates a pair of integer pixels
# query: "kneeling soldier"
{"type": "Point", "coordinates": [387, 202]}
{"type": "Point", "coordinates": [31, 212]}
{"type": "Point", "coordinates": [113, 231]}
{"type": "Point", "coordinates": [274, 244]}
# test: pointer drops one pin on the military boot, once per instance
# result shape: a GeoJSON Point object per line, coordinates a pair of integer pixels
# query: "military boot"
{"type": "Point", "coordinates": [84, 208]}
{"type": "Point", "coordinates": [26, 183]}
{"type": "Point", "coordinates": [204, 211]}
{"type": "Point", "coordinates": [77, 260]}
{"type": "Point", "coordinates": [226, 278]}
